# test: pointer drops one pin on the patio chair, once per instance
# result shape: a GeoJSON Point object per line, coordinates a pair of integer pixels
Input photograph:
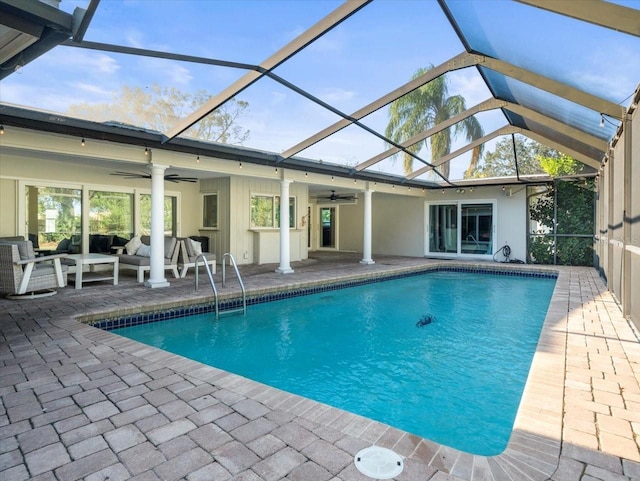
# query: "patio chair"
{"type": "Point", "coordinates": [141, 262]}
{"type": "Point", "coordinates": [189, 254]}
{"type": "Point", "coordinates": [23, 275]}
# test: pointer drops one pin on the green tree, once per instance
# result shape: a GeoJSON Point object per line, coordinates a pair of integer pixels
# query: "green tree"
{"type": "Point", "coordinates": [157, 108]}
{"type": "Point", "coordinates": [500, 162]}
{"type": "Point", "coordinates": [560, 164]}
{"type": "Point", "coordinates": [424, 108]}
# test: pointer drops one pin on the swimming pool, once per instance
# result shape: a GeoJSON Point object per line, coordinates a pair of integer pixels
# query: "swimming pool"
{"type": "Point", "coordinates": [443, 355]}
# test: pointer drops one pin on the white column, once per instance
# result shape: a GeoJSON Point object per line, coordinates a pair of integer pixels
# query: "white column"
{"type": "Point", "coordinates": [156, 276]}
{"type": "Point", "coordinates": [366, 245]}
{"type": "Point", "coordinates": [285, 251]}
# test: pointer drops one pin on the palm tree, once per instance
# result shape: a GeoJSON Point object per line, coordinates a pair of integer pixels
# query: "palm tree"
{"type": "Point", "coordinates": [425, 107]}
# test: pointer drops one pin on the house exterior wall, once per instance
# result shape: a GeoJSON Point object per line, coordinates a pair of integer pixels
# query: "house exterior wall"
{"type": "Point", "coordinates": [261, 246]}
{"type": "Point", "coordinates": [398, 225]}
{"type": "Point", "coordinates": [8, 212]}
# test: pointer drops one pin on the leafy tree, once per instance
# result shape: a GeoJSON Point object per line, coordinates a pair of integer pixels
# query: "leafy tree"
{"type": "Point", "coordinates": [158, 108]}
{"type": "Point", "coordinates": [424, 108]}
{"type": "Point", "coordinates": [500, 162]}
{"type": "Point", "coordinates": [560, 165]}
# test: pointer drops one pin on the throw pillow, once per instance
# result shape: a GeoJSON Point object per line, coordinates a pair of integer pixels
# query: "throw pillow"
{"type": "Point", "coordinates": [196, 246]}
{"type": "Point", "coordinates": [133, 245]}
{"type": "Point", "coordinates": [144, 250]}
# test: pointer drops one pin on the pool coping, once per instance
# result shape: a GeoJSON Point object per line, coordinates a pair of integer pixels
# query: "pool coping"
{"type": "Point", "coordinates": [533, 450]}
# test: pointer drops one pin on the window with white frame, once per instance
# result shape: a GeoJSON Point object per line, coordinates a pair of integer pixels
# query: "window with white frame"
{"type": "Point", "coordinates": [265, 211]}
{"type": "Point", "coordinates": [57, 216]}
{"type": "Point", "coordinates": [170, 214]}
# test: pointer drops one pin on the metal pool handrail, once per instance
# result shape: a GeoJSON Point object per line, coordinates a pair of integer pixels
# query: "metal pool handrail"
{"type": "Point", "coordinates": [213, 284]}
{"type": "Point", "coordinates": [232, 261]}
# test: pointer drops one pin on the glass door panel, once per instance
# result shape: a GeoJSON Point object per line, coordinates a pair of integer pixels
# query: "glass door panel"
{"type": "Point", "coordinates": [476, 229]}
{"type": "Point", "coordinates": [54, 218]}
{"type": "Point", "coordinates": [443, 230]}
{"type": "Point", "coordinates": [328, 227]}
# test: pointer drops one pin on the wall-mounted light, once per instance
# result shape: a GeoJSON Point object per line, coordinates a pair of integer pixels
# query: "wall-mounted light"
{"type": "Point", "coordinates": [198, 159]}
{"type": "Point", "coordinates": [1, 129]}
{"type": "Point", "coordinates": [459, 191]}
{"type": "Point", "coordinates": [332, 179]}
{"type": "Point", "coordinates": [601, 120]}
{"type": "Point", "coordinates": [240, 165]}
{"type": "Point", "coordinates": [443, 191]}
{"type": "Point", "coordinates": [146, 150]}
{"type": "Point", "coordinates": [82, 142]}
{"type": "Point", "coordinates": [306, 174]}
{"type": "Point", "coordinates": [470, 189]}
{"type": "Point", "coordinates": [276, 170]}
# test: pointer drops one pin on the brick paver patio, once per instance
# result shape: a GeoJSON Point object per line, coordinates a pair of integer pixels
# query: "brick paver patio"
{"type": "Point", "coordinates": [80, 403]}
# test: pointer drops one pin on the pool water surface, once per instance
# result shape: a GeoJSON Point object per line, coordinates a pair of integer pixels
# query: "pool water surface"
{"type": "Point", "coordinates": [444, 355]}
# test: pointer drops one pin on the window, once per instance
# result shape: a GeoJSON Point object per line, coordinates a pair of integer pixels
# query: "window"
{"type": "Point", "coordinates": [210, 211]}
{"type": "Point", "coordinates": [265, 211]}
{"type": "Point", "coordinates": [111, 213]}
{"type": "Point", "coordinates": [54, 215]}
{"type": "Point", "coordinates": [170, 209]}
{"type": "Point", "coordinates": [461, 228]}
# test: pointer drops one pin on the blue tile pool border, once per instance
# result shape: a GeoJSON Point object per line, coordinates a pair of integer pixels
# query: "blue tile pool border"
{"type": "Point", "coordinates": [135, 319]}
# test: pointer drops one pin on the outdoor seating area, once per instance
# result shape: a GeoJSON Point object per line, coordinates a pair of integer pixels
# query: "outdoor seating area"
{"type": "Point", "coordinates": [136, 255]}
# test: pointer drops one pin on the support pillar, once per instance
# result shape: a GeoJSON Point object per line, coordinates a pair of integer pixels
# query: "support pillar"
{"type": "Point", "coordinates": [366, 245]}
{"type": "Point", "coordinates": [285, 251]}
{"type": "Point", "coordinates": [156, 275]}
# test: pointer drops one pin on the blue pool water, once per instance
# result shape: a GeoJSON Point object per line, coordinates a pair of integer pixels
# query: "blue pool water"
{"type": "Point", "coordinates": [456, 380]}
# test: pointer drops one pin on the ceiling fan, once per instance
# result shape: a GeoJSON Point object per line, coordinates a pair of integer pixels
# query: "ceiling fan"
{"type": "Point", "coordinates": [142, 175]}
{"type": "Point", "coordinates": [336, 197]}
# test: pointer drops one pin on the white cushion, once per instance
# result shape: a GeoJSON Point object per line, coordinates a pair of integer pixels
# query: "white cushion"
{"type": "Point", "coordinates": [133, 245]}
{"type": "Point", "coordinates": [196, 246]}
{"type": "Point", "coordinates": [144, 250]}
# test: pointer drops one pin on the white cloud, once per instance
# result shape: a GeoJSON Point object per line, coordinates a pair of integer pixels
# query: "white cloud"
{"type": "Point", "coordinates": [469, 84]}
{"type": "Point", "coordinates": [87, 63]}
{"type": "Point", "coordinates": [336, 94]}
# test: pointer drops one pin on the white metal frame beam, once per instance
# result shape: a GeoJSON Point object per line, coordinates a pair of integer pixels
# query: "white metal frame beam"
{"type": "Point", "coordinates": [603, 14]}
{"type": "Point", "coordinates": [507, 129]}
{"type": "Point", "coordinates": [462, 60]}
{"type": "Point", "coordinates": [491, 104]}
{"type": "Point", "coordinates": [308, 36]}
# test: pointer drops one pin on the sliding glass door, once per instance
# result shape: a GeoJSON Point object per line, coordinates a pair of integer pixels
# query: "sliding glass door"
{"type": "Point", "coordinates": [459, 228]}
{"type": "Point", "coordinates": [54, 215]}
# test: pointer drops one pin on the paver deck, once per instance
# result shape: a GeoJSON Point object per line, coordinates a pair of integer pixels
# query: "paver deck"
{"type": "Point", "coordinates": [81, 403]}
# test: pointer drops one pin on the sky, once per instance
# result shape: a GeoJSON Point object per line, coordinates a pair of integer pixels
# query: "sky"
{"type": "Point", "coordinates": [374, 51]}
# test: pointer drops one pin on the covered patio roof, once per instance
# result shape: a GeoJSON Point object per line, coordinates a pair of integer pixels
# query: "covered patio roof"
{"type": "Point", "coordinates": [319, 82]}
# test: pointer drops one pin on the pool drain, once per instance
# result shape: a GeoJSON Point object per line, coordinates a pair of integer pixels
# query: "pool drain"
{"type": "Point", "coordinates": [378, 463]}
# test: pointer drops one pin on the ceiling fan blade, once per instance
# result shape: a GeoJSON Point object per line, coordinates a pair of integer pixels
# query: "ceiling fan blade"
{"type": "Point", "coordinates": [131, 175]}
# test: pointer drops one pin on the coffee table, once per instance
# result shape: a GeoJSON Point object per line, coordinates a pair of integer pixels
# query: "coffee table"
{"type": "Point", "coordinates": [80, 260]}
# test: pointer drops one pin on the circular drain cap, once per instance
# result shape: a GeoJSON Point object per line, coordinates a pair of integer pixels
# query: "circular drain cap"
{"type": "Point", "coordinates": [378, 463]}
